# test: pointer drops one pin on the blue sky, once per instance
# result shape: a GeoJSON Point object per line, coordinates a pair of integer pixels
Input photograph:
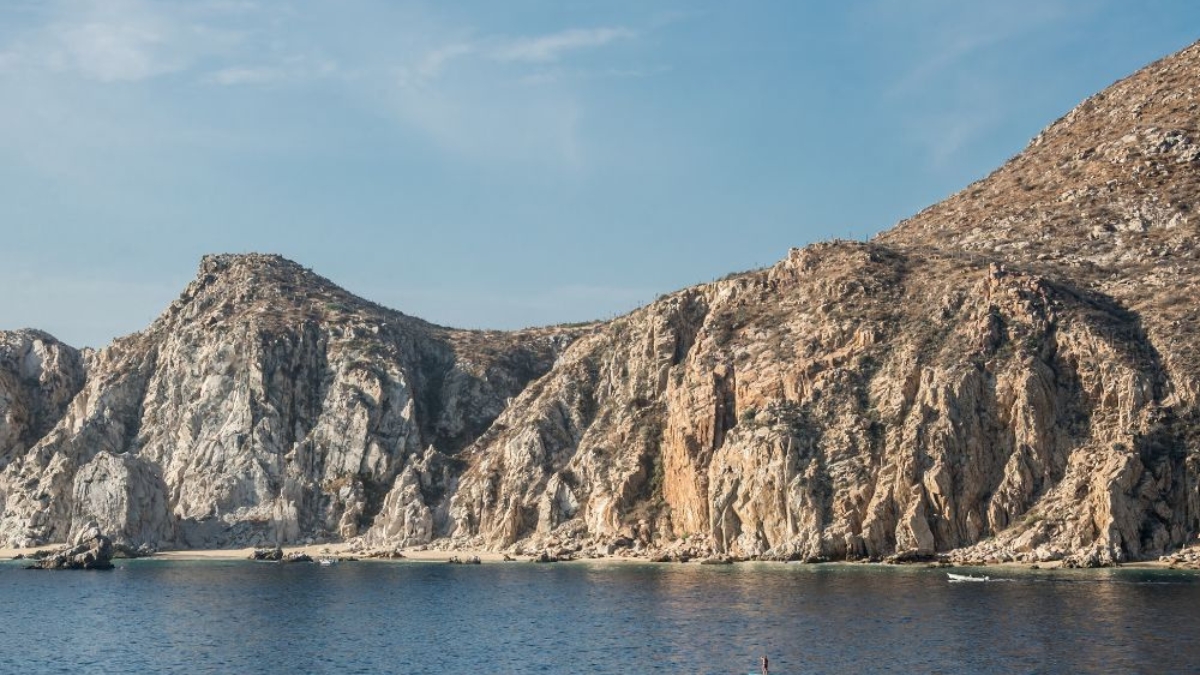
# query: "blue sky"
{"type": "Point", "coordinates": [499, 165]}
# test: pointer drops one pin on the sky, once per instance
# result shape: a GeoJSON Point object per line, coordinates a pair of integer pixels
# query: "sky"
{"type": "Point", "coordinates": [500, 165]}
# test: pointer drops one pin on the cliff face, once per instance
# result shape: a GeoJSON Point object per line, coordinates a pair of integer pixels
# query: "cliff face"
{"type": "Point", "coordinates": [38, 378]}
{"type": "Point", "coordinates": [1010, 374]}
{"type": "Point", "coordinates": [852, 401]}
{"type": "Point", "coordinates": [265, 405]}
{"type": "Point", "coordinates": [1104, 199]}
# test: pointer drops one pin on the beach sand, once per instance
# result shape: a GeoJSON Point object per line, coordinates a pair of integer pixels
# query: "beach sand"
{"type": "Point", "coordinates": [317, 551]}
{"type": "Point", "coordinates": [329, 551]}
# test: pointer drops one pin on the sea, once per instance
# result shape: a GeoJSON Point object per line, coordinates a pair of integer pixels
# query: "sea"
{"type": "Point", "coordinates": [155, 616]}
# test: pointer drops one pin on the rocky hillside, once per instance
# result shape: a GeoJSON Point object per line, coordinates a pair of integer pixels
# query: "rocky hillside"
{"type": "Point", "coordinates": [38, 378]}
{"type": "Point", "coordinates": [266, 404]}
{"type": "Point", "coordinates": [1010, 374]}
{"type": "Point", "coordinates": [1105, 198]}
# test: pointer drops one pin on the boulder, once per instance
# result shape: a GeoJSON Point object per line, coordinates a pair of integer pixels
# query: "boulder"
{"type": "Point", "coordinates": [267, 554]}
{"type": "Point", "coordinates": [91, 550]}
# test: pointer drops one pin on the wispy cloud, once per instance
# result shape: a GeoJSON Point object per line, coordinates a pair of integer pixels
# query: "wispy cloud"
{"type": "Point", "coordinates": [955, 33]}
{"type": "Point", "coordinates": [289, 70]}
{"type": "Point", "coordinates": [133, 48]}
{"type": "Point", "coordinates": [554, 75]}
{"type": "Point", "coordinates": [472, 95]}
{"type": "Point", "coordinates": [237, 75]}
{"type": "Point", "coordinates": [536, 51]}
{"type": "Point", "coordinates": [947, 136]}
{"type": "Point", "coordinates": [462, 90]}
{"type": "Point", "coordinates": [116, 40]}
{"type": "Point", "coordinates": [951, 65]}
{"type": "Point", "coordinates": [537, 128]}
{"type": "Point", "coordinates": [550, 48]}
{"type": "Point", "coordinates": [432, 63]}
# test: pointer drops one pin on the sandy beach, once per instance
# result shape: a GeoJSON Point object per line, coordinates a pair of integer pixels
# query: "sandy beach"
{"type": "Point", "coordinates": [328, 551]}
{"type": "Point", "coordinates": [317, 551]}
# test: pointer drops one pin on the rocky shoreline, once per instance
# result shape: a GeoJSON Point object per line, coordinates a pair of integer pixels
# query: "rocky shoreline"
{"type": "Point", "coordinates": [81, 555]}
{"type": "Point", "coordinates": [91, 550]}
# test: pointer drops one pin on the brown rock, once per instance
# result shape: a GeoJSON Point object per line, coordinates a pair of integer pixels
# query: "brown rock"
{"type": "Point", "coordinates": [91, 551]}
{"type": "Point", "coordinates": [1010, 375]}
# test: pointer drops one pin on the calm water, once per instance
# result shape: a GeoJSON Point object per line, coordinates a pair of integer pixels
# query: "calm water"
{"type": "Point", "coordinates": [205, 617]}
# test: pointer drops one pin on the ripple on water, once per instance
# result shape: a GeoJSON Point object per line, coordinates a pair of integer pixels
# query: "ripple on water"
{"type": "Point", "coordinates": [207, 617]}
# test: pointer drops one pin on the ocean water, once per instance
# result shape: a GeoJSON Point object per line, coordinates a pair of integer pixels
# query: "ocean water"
{"type": "Point", "coordinates": [372, 617]}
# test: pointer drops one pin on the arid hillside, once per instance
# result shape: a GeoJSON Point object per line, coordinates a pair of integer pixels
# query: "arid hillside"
{"type": "Point", "coordinates": [1009, 375]}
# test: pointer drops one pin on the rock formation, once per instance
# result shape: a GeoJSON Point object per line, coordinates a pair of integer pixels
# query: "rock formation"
{"type": "Point", "coordinates": [1008, 375]}
{"type": "Point", "coordinates": [265, 406]}
{"type": "Point", "coordinates": [38, 378]}
{"type": "Point", "coordinates": [91, 550]}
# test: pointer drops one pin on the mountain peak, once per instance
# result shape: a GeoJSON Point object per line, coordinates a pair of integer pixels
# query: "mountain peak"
{"type": "Point", "coordinates": [262, 287]}
{"type": "Point", "coordinates": [239, 266]}
{"type": "Point", "coordinates": [1108, 188]}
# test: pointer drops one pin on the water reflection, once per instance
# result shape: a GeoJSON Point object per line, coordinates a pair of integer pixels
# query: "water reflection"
{"type": "Point", "coordinates": [520, 618]}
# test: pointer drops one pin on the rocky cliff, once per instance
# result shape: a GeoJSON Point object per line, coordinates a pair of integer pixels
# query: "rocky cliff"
{"type": "Point", "coordinates": [265, 405]}
{"type": "Point", "coordinates": [1010, 374]}
{"type": "Point", "coordinates": [38, 378]}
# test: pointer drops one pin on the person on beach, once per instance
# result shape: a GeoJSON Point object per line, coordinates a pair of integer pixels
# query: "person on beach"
{"type": "Point", "coordinates": [765, 665]}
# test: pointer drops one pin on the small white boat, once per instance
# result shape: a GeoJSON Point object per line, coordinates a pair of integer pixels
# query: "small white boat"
{"type": "Point", "coordinates": [966, 577]}
{"type": "Point", "coordinates": [326, 562]}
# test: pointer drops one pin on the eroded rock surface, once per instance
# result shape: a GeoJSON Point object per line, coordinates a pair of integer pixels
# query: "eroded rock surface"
{"type": "Point", "coordinates": [814, 411]}
{"type": "Point", "coordinates": [266, 406]}
{"type": "Point", "coordinates": [1011, 374]}
{"type": "Point", "coordinates": [38, 378]}
{"type": "Point", "coordinates": [1008, 375]}
{"type": "Point", "coordinates": [91, 550]}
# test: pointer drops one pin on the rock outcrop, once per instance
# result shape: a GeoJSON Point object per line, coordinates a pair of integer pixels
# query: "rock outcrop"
{"type": "Point", "coordinates": [266, 406]}
{"type": "Point", "coordinates": [854, 401]}
{"type": "Point", "coordinates": [38, 378]}
{"type": "Point", "coordinates": [1008, 375]}
{"type": "Point", "coordinates": [125, 496]}
{"type": "Point", "coordinates": [1011, 374]}
{"type": "Point", "coordinates": [91, 550]}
